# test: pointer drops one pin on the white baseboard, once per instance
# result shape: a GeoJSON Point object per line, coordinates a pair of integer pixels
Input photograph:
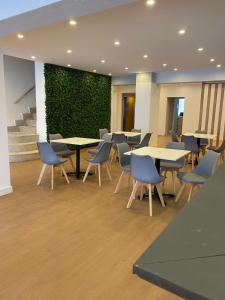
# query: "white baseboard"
{"type": "Point", "coordinates": [6, 190]}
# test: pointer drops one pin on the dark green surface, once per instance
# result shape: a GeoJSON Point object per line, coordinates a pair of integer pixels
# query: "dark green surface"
{"type": "Point", "coordinates": [78, 103]}
{"type": "Point", "coordinates": [188, 258]}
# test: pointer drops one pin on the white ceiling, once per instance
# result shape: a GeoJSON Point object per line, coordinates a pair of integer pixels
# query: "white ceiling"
{"type": "Point", "coordinates": [140, 29]}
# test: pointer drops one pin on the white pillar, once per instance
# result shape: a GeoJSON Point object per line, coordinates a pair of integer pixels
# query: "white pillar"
{"type": "Point", "coordinates": [5, 183]}
{"type": "Point", "coordinates": [40, 101]}
{"type": "Point", "coordinates": [147, 105]}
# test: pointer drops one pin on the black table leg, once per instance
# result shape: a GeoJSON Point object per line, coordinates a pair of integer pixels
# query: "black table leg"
{"type": "Point", "coordinates": [199, 146]}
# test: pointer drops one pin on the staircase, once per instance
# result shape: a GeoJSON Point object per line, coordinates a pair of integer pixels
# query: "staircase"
{"type": "Point", "coordinates": [23, 138]}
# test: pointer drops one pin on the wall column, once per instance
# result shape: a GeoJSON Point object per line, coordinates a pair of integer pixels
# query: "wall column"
{"type": "Point", "coordinates": [147, 105]}
{"type": "Point", "coordinates": [5, 183]}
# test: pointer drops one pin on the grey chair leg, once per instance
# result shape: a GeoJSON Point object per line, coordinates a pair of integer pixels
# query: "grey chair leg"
{"type": "Point", "coordinates": [190, 193]}
{"type": "Point", "coordinates": [71, 161]}
{"type": "Point", "coordinates": [132, 196]}
{"type": "Point", "coordinates": [41, 174]}
{"type": "Point", "coordinates": [180, 191]}
{"type": "Point", "coordinates": [150, 199]}
{"type": "Point", "coordinates": [64, 173]}
{"type": "Point", "coordinates": [52, 178]}
{"type": "Point", "coordinates": [99, 175]}
{"type": "Point", "coordinates": [87, 171]}
{"type": "Point", "coordinates": [108, 171]}
{"type": "Point", "coordinates": [160, 195]}
{"type": "Point", "coordinates": [119, 182]}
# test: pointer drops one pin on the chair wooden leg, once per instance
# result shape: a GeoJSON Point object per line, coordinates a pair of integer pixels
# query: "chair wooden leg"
{"type": "Point", "coordinates": [165, 173]}
{"type": "Point", "coordinates": [108, 171]}
{"type": "Point", "coordinates": [41, 174]}
{"type": "Point", "coordinates": [52, 179]}
{"type": "Point", "coordinates": [160, 195]}
{"type": "Point", "coordinates": [192, 160]}
{"type": "Point", "coordinates": [132, 196]}
{"type": "Point", "coordinates": [99, 175]}
{"type": "Point", "coordinates": [150, 199]}
{"type": "Point", "coordinates": [119, 182]}
{"type": "Point", "coordinates": [180, 191]}
{"type": "Point", "coordinates": [142, 192]}
{"type": "Point", "coordinates": [71, 161]}
{"type": "Point", "coordinates": [190, 193]}
{"type": "Point", "coordinates": [174, 181]}
{"type": "Point", "coordinates": [87, 171]}
{"type": "Point", "coordinates": [64, 173]}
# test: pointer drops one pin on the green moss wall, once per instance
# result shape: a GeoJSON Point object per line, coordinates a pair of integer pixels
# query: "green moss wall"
{"type": "Point", "coordinates": [78, 103]}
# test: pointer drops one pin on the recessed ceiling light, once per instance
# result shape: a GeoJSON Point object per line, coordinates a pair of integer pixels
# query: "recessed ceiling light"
{"type": "Point", "coordinates": [69, 51]}
{"type": "Point", "coordinates": [103, 61]}
{"type": "Point", "coordinates": [126, 68]}
{"type": "Point", "coordinates": [218, 66]}
{"type": "Point", "coordinates": [150, 2]}
{"type": "Point", "coordinates": [94, 71]}
{"type": "Point", "coordinates": [164, 65]}
{"type": "Point", "coordinates": [200, 49]}
{"type": "Point", "coordinates": [117, 43]}
{"type": "Point", "coordinates": [212, 59]}
{"type": "Point", "coordinates": [110, 74]}
{"type": "Point", "coordinates": [175, 69]}
{"type": "Point", "coordinates": [20, 36]}
{"type": "Point", "coordinates": [145, 56]}
{"type": "Point", "coordinates": [33, 57]}
{"type": "Point", "coordinates": [69, 65]}
{"type": "Point", "coordinates": [182, 31]}
{"type": "Point", "coordinates": [73, 22]}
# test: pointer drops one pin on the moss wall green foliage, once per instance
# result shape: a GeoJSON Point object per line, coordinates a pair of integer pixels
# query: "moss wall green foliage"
{"type": "Point", "coordinates": [78, 103]}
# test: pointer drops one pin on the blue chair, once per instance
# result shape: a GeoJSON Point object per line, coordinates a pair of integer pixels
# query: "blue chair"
{"type": "Point", "coordinates": [124, 161]}
{"type": "Point", "coordinates": [49, 158]}
{"type": "Point", "coordinates": [101, 158]}
{"type": "Point", "coordinates": [61, 149]}
{"type": "Point", "coordinates": [144, 142]}
{"type": "Point", "coordinates": [191, 144]}
{"type": "Point", "coordinates": [173, 166]}
{"type": "Point", "coordinates": [134, 140]}
{"type": "Point", "coordinates": [106, 138]}
{"type": "Point", "coordinates": [145, 173]}
{"type": "Point", "coordinates": [117, 138]}
{"type": "Point", "coordinates": [174, 137]}
{"type": "Point", "coordinates": [102, 132]}
{"type": "Point", "coordinates": [198, 177]}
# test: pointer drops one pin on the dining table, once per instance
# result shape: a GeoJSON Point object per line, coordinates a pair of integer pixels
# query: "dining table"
{"type": "Point", "coordinates": [78, 142]}
{"type": "Point", "coordinates": [127, 133]}
{"type": "Point", "coordinates": [199, 136]}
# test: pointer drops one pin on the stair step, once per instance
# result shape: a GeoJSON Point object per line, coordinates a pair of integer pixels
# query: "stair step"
{"type": "Point", "coordinates": [27, 116]}
{"type": "Point", "coordinates": [27, 129]}
{"type": "Point", "coordinates": [13, 129]}
{"type": "Point", "coordinates": [20, 137]}
{"type": "Point", "coordinates": [23, 156]}
{"type": "Point", "coordinates": [20, 122]}
{"type": "Point", "coordinates": [34, 116]}
{"type": "Point", "coordinates": [33, 110]}
{"type": "Point", "coordinates": [22, 147]}
{"type": "Point", "coordinates": [31, 122]}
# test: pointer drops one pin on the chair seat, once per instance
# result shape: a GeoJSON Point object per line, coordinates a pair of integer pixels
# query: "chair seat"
{"type": "Point", "coordinates": [170, 165]}
{"type": "Point", "coordinates": [154, 182]}
{"type": "Point", "coordinates": [191, 178]}
{"type": "Point", "coordinates": [93, 151]}
{"type": "Point", "coordinates": [65, 153]}
{"type": "Point", "coordinates": [132, 143]}
{"type": "Point", "coordinates": [126, 168]}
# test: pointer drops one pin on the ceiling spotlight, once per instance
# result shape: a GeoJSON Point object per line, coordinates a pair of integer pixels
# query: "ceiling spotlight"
{"type": "Point", "coordinates": [69, 51]}
{"type": "Point", "coordinates": [150, 2]}
{"type": "Point", "coordinates": [117, 43]}
{"type": "Point", "coordinates": [33, 57]}
{"type": "Point", "coordinates": [164, 65]}
{"type": "Point", "coordinates": [126, 68]}
{"type": "Point", "coordinates": [20, 36]}
{"type": "Point", "coordinates": [103, 61]}
{"type": "Point", "coordinates": [218, 66]}
{"type": "Point", "coordinates": [175, 69]}
{"type": "Point", "coordinates": [212, 59]}
{"type": "Point", "coordinates": [200, 49]}
{"type": "Point", "coordinates": [145, 56]}
{"type": "Point", "coordinates": [182, 31]}
{"type": "Point", "coordinates": [110, 74]}
{"type": "Point", "coordinates": [72, 22]}
{"type": "Point", "coordinates": [69, 65]}
{"type": "Point", "coordinates": [94, 71]}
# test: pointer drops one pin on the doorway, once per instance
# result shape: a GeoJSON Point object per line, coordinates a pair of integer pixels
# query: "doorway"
{"type": "Point", "coordinates": [128, 111]}
{"type": "Point", "coordinates": [174, 116]}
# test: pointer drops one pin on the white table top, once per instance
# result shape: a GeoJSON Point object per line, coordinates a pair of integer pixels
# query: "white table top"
{"type": "Point", "coordinates": [77, 141]}
{"type": "Point", "coordinates": [127, 133]}
{"type": "Point", "coordinates": [208, 136]}
{"type": "Point", "coordinates": [160, 153]}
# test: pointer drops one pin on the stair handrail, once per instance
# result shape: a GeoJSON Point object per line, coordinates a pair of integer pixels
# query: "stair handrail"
{"type": "Point", "coordinates": [24, 94]}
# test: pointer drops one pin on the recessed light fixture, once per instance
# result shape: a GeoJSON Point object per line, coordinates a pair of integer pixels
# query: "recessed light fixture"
{"type": "Point", "coordinates": [145, 56]}
{"type": "Point", "coordinates": [218, 66]}
{"type": "Point", "coordinates": [175, 69]}
{"type": "Point", "coordinates": [20, 36]}
{"type": "Point", "coordinates": [94, 71]}
{"type": "Point", "coordinates": [110, 74]}
{"type": "Point", "coordinates": [33, 57]}
{"type": "Point", "coordinates": [150, 2]}
{"type": "Point", "coordinates": [69, 51]}
{"type": "Point", "coordinates": [72, 22]}
{"type": "Point", "coordinates": [200, 49]}
{"type": "Point", "coordinates": [117, 43]}
{"type": "Point", "coordinates": [212, 59]}
{"type": "Point", "coordinates": [103, 61]}
{"type": "Point", "coordinates": [182, 31]}
{"type": "Point", "coordinates": [126, 68]}
{"type": "Point", "coordinates": [69, 65]}
{"type": "Point", "coordinates": [164, 65]}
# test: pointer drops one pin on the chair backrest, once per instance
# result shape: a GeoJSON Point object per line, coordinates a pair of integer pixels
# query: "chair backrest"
{"type": "Point", "coordinates": [174, 137]}
{"type": "Point", "coordinates": [178, 146]}
{"type": "Point", "coordinates": [57, 147]}
{"type": "Point", "coordinates": [106, 138]}
{"type": "Point", "coordinates": [102, 132]}
{"type": "Point", "coordinates": [191, 143]}
{"type": "Point", "coordinates": [122, 148]}
{"type": "Point", "coordinates": [221, 148]}
{"type": "Point", "coordinates": [103, 154]}
{"type": "Point", "coordinates": [136, 138]}
{"type": "Point", "coordinates": [203, 142]}
{"type": "Point", "coordinates": [207, 165]}
{"type": "Point", "coordinates": [47, 154]}
{"type": "Point", "coordinates": [145, 140]}
{"type": "Point", "coordinates": [143, 169]}
{"type": "Point", "coordinates": [118, 138]}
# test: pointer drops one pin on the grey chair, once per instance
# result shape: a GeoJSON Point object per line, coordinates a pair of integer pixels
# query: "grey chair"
{"type": "Point", "coordinates": [174, 137]}
{"type": "Point", "coordinates": [124, 161]}
{"type": "Point", "coordinates": [173, 166]}
{"type": "Point", "coordinates": [49, 158]}
{"type": "Point", "coordinates": [145, 141]}
{"type": "Point", "coordinates": [134, 140]}
{"type": "Point", "coordinates": [102, 132]}
{"type": "Point", "coordinates": [198, 177]}
{"type": "Point", "coordinates": [101, 158]}
{"type": "Point", "coordinates": [191, 144]}
{"type": "Point", "coordinates": [145, 173]}
{"type": "Point", "coordinates": [106, 138]}
{"type": "Point", "coordinates": [61, 149]}
{"type": "Point", "coordinates": [220, 150]}
{"type": "Point", "coordinates": [117, 138]}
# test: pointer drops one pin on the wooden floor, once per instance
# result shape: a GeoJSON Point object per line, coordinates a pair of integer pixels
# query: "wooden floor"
{"type": "Point", "coordinates": [78, 242]}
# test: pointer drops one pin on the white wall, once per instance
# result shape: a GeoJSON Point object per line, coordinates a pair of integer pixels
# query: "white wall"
{"type": "Point", "coordinates": [5, 184]}
{"type": "Point", "coordinates": [19, 77]}
{"type": "Point", "coordinates": [40, 101]}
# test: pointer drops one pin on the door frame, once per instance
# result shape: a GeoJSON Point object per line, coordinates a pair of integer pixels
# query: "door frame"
{"type": "Point", "coordinates": [123, 107]}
